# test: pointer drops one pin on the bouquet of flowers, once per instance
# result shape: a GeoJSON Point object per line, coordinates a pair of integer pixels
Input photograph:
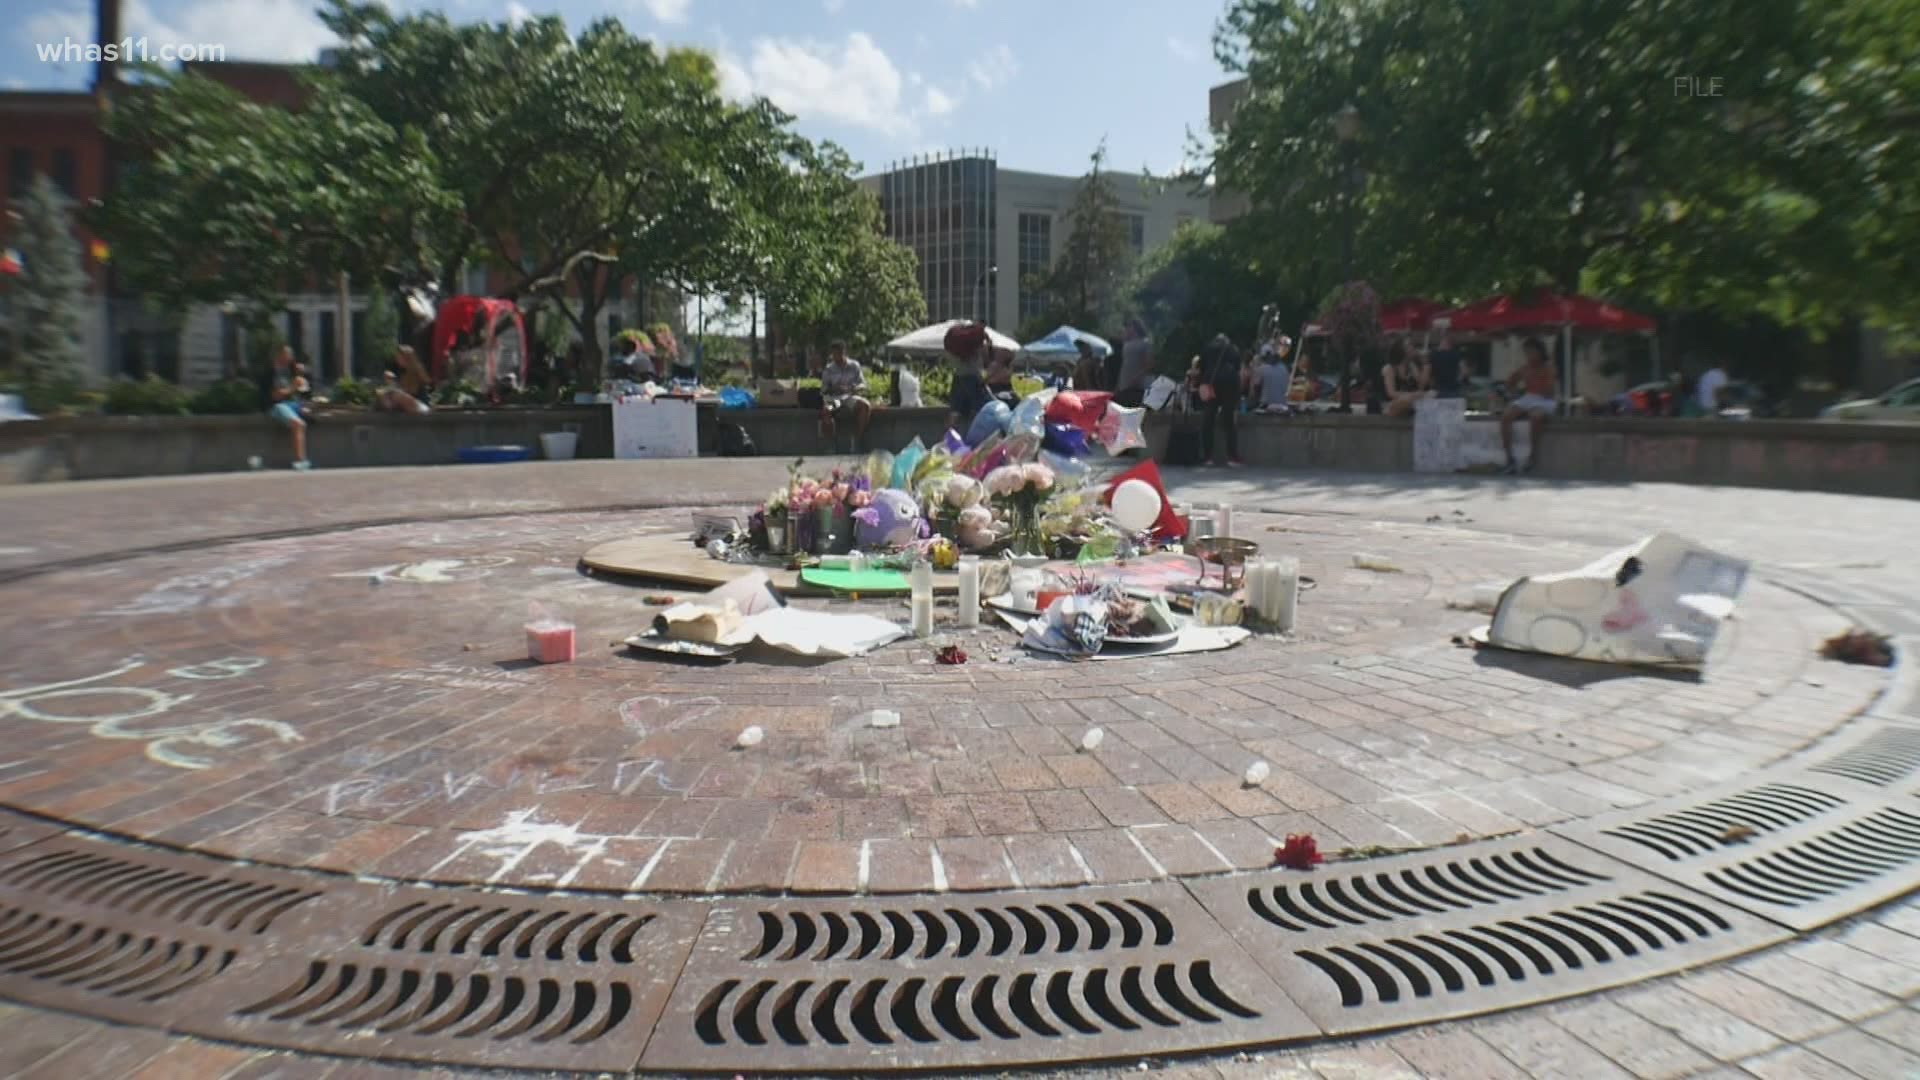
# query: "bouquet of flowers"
{"type": "Point", "coordinates": [1019, 490]}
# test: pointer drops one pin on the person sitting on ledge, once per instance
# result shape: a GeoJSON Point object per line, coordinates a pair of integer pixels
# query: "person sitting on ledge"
{"type": "Point", "coordinates": [1536, 403]}
{"type": "Point", "coordinates": [390, 398]}
{"type": "Point", "coordinates": [841, 386]}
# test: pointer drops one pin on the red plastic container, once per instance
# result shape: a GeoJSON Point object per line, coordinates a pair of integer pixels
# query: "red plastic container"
{"type": "Point", "coordinates": [550, 642]}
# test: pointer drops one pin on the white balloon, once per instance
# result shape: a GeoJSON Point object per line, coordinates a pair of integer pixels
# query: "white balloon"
{"type": "Point", "coordinates": [1136, 506]}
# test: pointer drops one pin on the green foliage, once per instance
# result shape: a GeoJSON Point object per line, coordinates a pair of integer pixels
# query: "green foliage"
{"type": "Point", "coordinates": [46, 297]}
{"type": "Point", "coordinates": [1207, 280]}
{"type": "Point", "coordinates": [151, 396]}
{"type": "Point", "coordinates": [458, 393]}
{"type": "Point", "coordinates": [1084, 285]}
{"type": "Point", "coordinates": [228, 397]}
{"type": "Point", "coordinates": [1516, 143]}
{"type": "Point", "coordinates": [833, 274]}
{"type": "Point", "coordinates": [353, 392]}
{"type": "Point", "coordinates": [379, 331]}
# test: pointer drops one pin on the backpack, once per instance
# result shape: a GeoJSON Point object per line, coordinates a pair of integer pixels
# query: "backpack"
{"type": "Point", "coordinates": [735, 442]}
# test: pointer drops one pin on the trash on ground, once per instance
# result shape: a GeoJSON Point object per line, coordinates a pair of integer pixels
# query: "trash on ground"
{"type": "Point", "coordinates": [1379, 564]}
{"type": "Point", "coordinates": [1859, 647]}
{"type": "Point", "coordinates": [882, 718]}
{"type": "Point", "coordinates": [1660, 603]}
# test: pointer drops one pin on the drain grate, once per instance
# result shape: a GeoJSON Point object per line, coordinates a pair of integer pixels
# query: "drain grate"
{"type": "Point", "coordinates": [1697, 830]}
{"type": "Point", "coordinates": [138, 887]}
{"type": "Point", "coordinates": [471, 978]}
{"type": "Point", "coordinates": [1515, 922]}
{"type": "Point", "coordinates": [1802, 849]}
{"type": "Point", "coordinates": [1041, 978]}
{"type": "Point", "coordinates": [1885, 756]}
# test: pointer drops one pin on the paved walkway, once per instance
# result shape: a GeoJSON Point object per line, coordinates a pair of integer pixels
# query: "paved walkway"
{"type": "Point", "coordinates": [264, 699]}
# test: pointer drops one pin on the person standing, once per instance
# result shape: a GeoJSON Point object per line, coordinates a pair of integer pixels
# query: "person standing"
{"type": "Point", "coordinates": [1136, 365]}
{"type": "Point", "coordinates": [1110, 367]}
{"type": "Point", "coordinates": [1711, 388]}
{"type": "Point", "coordinates": [1536, 402]}
{"type": "Point", "coordinates": [1220, 398]}
{"type": "Point", "coordinates": [1445, 364]}
{"type": "Point", "coordinates": [1087, 372]}
{"type": "Point", "coordinates": [968, 395]}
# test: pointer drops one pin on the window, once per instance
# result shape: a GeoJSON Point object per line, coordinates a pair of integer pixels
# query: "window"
{"type": "Point", "coordinates": [1137, 232]}
{"type": "Point", "coordinates": [1036, 257]}
{"type": "Point", "coordinates": [325, 359]}
{"type": "Point", "coordinates": [297, 334]}
{"type": "Point", "coordinates": [64, 173]}
{"type": "Point", "coordinates": [19, 171]}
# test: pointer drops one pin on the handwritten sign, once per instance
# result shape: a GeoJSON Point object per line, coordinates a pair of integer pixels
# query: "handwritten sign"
{"type": "Point", "coordinates": [654, 429]}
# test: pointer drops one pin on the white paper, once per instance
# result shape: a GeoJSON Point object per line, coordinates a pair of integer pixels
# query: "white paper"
{"type": "Point", "coordinates": [1439, 425]}
{"type": "Point", "coordinates": [654, 429]}
{"type": "Point", "coordinates": [821, 633]}
{"type": "Point", "coordinates": [1158, 392]}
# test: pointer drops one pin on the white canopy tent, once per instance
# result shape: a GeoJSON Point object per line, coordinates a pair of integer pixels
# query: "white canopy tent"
{"type": "Point", "coordinates": [931, 340]}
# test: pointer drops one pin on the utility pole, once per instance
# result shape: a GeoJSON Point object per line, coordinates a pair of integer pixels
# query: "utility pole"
{"type": "Point", "coordinates": [343, 332]}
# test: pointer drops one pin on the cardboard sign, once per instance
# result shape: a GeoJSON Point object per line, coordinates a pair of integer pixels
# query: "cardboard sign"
{"type": "Point", "coordinates": [654, 429]}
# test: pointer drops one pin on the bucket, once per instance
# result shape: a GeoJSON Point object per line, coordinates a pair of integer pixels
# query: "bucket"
{"type": "Point", "coordinates": [559, 445]}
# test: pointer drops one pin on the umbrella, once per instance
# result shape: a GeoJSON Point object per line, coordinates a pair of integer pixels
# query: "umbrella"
{"type": "Point", "coordinates": [1062, 343]}
{"type": "Point", "coordinates": [1497, 314]}
{"type": "Point", "coordinates": [1406, 316]}
{"type": "Point", "coordinates": [931, 340]}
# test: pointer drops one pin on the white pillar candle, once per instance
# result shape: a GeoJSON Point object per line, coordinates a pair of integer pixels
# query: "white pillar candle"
{"type": "Point", "coordinates": [969, 590]}
{"type": "Point", "coordinates": [1257, 588]}
{"type": "Point", "coordinates": [921, 584]}
{"type": "Point", "coordinates": [1201, 526]}
{"type": "Point", "coordinates": [1286, 593]}
{"type": "Point", "coordinates": [1223, 521]}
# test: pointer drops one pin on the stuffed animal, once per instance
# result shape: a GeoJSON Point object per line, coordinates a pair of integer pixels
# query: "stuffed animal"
{"type": "Point", "coordinates": [893, 520]}
{"type": "Point", "coordinates": [975, 528]}
{"type": "Point", "coordinates": [962, 492]}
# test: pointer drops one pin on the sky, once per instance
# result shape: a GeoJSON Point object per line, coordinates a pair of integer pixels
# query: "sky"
{"type": "Point", "coordinates": [1039, 82]}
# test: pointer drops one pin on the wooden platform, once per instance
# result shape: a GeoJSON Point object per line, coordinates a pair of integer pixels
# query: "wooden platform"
{"type": "Point", "coordinates": [671, 557]}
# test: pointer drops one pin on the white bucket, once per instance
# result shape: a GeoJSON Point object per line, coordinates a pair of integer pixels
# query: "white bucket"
{"type": "Point", "coordinates": [559, 445]}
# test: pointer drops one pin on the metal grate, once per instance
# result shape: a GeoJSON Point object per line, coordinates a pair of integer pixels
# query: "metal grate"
{"type": "Point", "coordinates": [1411, 892]}
{"type": "Point", "coordinates": [465, 977]}
{"type": "Point", "coordinates": [1881, 759]}
{"type": "Point", "coordinates": [90, 877]}
{"type": "Point", "coordinates": [17, 831]}
{"type": "Point", "coordinates": [1525, 920]}
{"type": "Point", "coordinates": [1697, 830]}
{"type": "Point", "coordinates": [1841, 849]}
{"type": "Point", "coordinates": [1040, 978]}
{"type": "Point", "coordinates": [89, 958]}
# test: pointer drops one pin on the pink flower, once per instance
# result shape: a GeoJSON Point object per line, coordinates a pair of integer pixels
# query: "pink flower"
{"type": "Point", "coordinates": [840, 492]}
{"type": "Point", "coordinates": [860, 499]}
{"type": "Point", "coordinates": [1006, 480]}
{"type": "Point", "coordinates": [962, 492]}
{"type": "Point", "coordinates": [823, 499]}
{"type": "Point", "coordinates": [1039, 476]}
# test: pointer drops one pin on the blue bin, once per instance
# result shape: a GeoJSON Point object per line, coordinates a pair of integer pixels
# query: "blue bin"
{"type": "Point", "coordinates": [489, 455]}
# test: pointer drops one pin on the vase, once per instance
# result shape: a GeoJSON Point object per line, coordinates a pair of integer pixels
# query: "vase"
{"type": "Point", "coordinates": [1025, 539]}
{"type": "Point", "coordinates": [777, 538]}
{"type": "Point", "coordinates": [832, 531]}
{"type": "Point", "coordinates": [801, 537]}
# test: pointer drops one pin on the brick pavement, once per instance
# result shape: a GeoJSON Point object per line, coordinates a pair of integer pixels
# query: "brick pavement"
{"type": "Point", "coordinates": [357, 701]}
{"type": "Point", "coordinates": [412, 756]}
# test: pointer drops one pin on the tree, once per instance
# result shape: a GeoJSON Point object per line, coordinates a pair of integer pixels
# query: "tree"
{"type": "Point", "coordinates": [1209, 279]}
{"type": "Point", "coordinates": [48, 294]}
{"type": "Point", "coordinates": [379, 332]}
{"type": "Point", "coordinates": [1084, 284]}
{"type": "Point", "coordinates": [1545, 142]}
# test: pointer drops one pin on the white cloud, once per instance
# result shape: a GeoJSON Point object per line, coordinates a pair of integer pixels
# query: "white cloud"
{"type": "Point", "coordinates": [1185, 50]}
{"type": "Point", "coordinates": [247, 29]}
{"type": "Point", "coordinates": [517, 13]}
{"type": "Point", "coordinates": [57, 25]}
{"type": "Point", "coordinates": [995, 68]}
{"type": "Point", "coordinates": [668, 11]}
{"type": "Point", "coordinates": [851, 82]}
{"type": "Point", "coordinates": [938, 103]}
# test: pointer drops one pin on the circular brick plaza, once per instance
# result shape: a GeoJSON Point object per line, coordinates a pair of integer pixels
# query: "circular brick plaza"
{"type": "Point", "coordinates": [355, 699]}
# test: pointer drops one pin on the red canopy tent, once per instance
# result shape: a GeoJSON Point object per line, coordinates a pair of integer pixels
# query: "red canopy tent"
{"type": "Point", "coordinates": [467, 338]}
{"type": "Point", "coordinates": [1547, 309]}
{"type": "Point", "coordinates": [1407, 315]}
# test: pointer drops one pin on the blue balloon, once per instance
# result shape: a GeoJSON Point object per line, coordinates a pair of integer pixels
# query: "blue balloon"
{"type": "Point", "coordinates": [992, 419]}
{"type": "Point", "coordinates": [1066, 439]}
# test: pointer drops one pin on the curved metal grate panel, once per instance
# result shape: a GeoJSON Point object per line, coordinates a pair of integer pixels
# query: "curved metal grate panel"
{"type": "Point", "coordinates": [1049, 977]}
{"type": "Point", "coordinates": [1508, 933]}
{"type": "Point", "coordinates": [1882, 759]}
{"type": "Point", "coordinates": [1699, 829]}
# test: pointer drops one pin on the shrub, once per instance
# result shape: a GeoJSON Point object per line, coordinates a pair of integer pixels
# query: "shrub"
{"type": "Point", "coordinates": [352, 391]}
{"type": "Point", "coordinates": [151, 396]}
{"type": "Point", "coordinates": [56, 396]}
{"type": "Point", "coordinates": [229, 397]}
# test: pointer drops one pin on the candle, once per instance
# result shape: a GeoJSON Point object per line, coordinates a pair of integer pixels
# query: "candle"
{"type": "Point", "coordinates": [1285, 593]}
{"type": "Point", "coordinates": [921, 583]}
{"type": "Point", "coordinates": [1223, 521]}
{"type": "Point", "coordinates": [550, 642]}
{"type": "Point", "coordinates": [1257, 588]}
{"type": "Point", "coordinates": [1202, 526]}
{"type": "Point", "coordinates": [969, 590]}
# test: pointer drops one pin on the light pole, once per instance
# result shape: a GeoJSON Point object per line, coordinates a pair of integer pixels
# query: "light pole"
{"type": "Point", "coordinates": [1346, 129]}
{"type": "Point", "coordinates": [979, 285]}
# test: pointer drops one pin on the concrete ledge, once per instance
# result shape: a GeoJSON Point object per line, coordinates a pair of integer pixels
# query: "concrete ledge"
{"type": "Point", "coordinates": [1860, 459]}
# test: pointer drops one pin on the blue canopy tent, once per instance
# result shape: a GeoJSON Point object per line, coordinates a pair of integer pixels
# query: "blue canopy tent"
{"type": "Point", "coordinates": [1060, 345]}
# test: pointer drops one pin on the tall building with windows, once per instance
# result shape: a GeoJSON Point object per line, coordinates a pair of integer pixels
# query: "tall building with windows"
{"type": "Point", "coordinates": [983, 232]}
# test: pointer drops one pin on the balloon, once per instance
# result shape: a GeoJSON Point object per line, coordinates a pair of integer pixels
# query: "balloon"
{"type": "Point", "coordinates": [1071, 472]}
{"type": "Point", "coordinates": [1136, 506]}
{"type": "Point", "coordinates": [900, 475]}
{"type": "Point", "coordinates": [1080, 408]}
{"type": "Point", "coordinates": [1030, 417]}
{"type": "Point", "coordinates": [1119, 429]}
{"type": "Point", "coordinates": [1066, 439]}
{"type": "Point", "coordinates": [992, 419]}
{"type": "Point", "coordinates": [954, 443]}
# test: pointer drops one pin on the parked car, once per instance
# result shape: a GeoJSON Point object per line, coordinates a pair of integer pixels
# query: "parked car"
{"type": "Point", "coordinates": [1900, 404]}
